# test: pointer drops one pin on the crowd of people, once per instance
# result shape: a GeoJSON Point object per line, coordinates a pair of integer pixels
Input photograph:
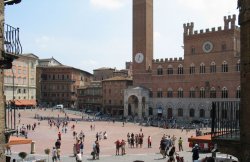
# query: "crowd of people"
{"type": "Point", "coordinates": [134, 140]}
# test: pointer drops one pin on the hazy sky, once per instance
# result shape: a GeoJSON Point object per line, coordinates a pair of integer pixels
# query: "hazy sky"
{"type": "Point", "coordinates": [89, 34]}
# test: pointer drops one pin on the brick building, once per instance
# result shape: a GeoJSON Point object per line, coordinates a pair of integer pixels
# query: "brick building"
{"type": "Point", "coordinates": [103, 73]}
{"type": "Point", "coordinates": [59, 84]}
{"type": "Point", "coordinates": [90, 97]}
{"type": "Point", "coordinates": [113, 94]}
{"type": "Point", "coordinates": [183, 88]}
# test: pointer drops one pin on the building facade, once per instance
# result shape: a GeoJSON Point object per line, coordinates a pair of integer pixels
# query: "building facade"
{"type": "Point", "coordinates": [103, 73]}
{"type": "Point", "coordinates": [235, 139]}
{"type": "Point", "coordinates": [184, 88]}
{"type": "Point", "coordinates": [20, 80]}
{"type": "Point", "coordinates": [59, 85]}
{"type": "Point", "coordinates": [47, 62]}
{"type": "Point", "coordinates": [90, 97]}
{"type": "Point", "coordinates": [113, 94]}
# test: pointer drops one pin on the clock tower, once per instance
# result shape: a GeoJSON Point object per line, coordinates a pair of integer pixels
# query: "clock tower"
{"type": "Point", "coordinates": [142, 41]}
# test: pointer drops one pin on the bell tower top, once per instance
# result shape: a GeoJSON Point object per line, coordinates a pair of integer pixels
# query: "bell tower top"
{"type": "Point", "coordinates": [142, 35]}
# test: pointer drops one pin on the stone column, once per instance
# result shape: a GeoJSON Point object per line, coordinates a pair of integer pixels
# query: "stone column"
{"type": "Point", "coordinates": [244, 21]}
{"type": "Point", "coordinates": [33, 148]}
{"type": "Point", "coordinates": [125, 113]}
{"type": "Point", "coordinates": [146, 109]}
{"type": "Point", "coordinates": [2, 109]}
{"type": "Point", "coordinates": [140, 108]}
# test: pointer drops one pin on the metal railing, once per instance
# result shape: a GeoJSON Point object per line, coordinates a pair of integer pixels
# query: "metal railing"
{"type": "Point", "coordinates": [12, 43]}
{"type": "Point", "coordinates": [226, 120]}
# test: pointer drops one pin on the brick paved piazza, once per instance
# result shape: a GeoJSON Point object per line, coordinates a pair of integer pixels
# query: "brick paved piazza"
{"type": "Point", "coordinates": [45, 137]}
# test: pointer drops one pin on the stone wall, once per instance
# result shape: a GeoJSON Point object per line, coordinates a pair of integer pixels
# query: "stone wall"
{"type": "Point", "coordinates": [2, 113]}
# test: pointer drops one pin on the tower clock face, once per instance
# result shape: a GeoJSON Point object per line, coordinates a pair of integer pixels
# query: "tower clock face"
{"type": "Point", "coordinates": [207, 46]}
{"type": "Point", "coordinates": [139, 57]}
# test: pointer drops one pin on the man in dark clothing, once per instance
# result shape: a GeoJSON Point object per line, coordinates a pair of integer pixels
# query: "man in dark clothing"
{"type": "Point", "coordinates": [195, 151]}
{"type": "Point", "coordinates": [58, 144]}
{"type": "Point", "coordinates": [163, 148]}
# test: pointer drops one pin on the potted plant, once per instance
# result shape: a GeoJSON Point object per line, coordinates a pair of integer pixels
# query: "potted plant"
{"type": "Point", "coordinates": [47, 151]}
{"type": "Point", "coordinates": [22, 155]}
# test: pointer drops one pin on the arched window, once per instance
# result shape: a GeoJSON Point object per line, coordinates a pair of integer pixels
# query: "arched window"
{"type": "Point", "coordinates": [180, 69]}
{"type": "Point", "coordinates": [159, 93]}
{"type": "Point", "coordinates": [212, 92]}
{"type": "Point", "coordinates": [202, 93]}
{"type": "Point", "coordinates": [238, 66]}
{"type": "Point", "coordinates": [224, 93]}
{"type": "Point", "coordinates": [202, 68]}
{"type": "Point", "coordinates": [180, 112]}
{"type": "Point", "coordinates": [180, 93]}
{"type": "Point", "coordinates": [202, 113]}
{"type": "Point", "coordinates": [192, 69]}
{"type": "Point", "coordinates": [159, 70]}
{"type": "Point", "coordinates": [238, 92]}
{"type": "Point", "coordinates": [170, 93]}
{"type": "Point", "coordinates": [170, 69]}
{"type": "Point", "coordinates": [213, 67]}
{"type": "Point", "coordinates": [224, 67]}
{"type": "Point", "coordinates": [191, 113]}
{"type": "Point", "coordinates": [192, 92]}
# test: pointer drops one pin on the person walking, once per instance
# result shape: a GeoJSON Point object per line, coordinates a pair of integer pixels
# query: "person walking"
{"type": "Point", "coordinates": [171, 154]}
{"type": "Point", "coordinates": [117, 147]}
{"type": "Point", "coordinates": [93, 153]}
{"type": "Point", "coordinates": [163, 147]}
{"type": "Point", "coordinates": [58, 154]}
{"type": "Point", "coordinates": [180, 141]}
{"type": "Point", "coordinates": [54, 155]}
{"type": "Point", "coordinates": [78, 157]}
{"type": "Point", "coordinates": [60, 136]}
{"type": "Point", "coordinates": [97, 150]}
{"type": "Point", "coordinates": [81, 147]}
{"type": "Point", "coordinates": [123, 143]}
{"type": "Point", "coordinates": [195, 151]}
{"type": "Point", "coordinates": [149, 142]}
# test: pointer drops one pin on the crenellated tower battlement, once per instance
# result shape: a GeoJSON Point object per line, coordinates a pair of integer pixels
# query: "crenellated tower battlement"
{"type": "Point", "coordinates": [168, 60]}
{"type": "Point", "coordinates": [229, 23]}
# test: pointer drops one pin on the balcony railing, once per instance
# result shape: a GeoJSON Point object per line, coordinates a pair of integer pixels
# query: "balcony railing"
{"type": "Point", "coordinates": [226, 120]}
{"type": "Point", "coordinates": [12, 43]}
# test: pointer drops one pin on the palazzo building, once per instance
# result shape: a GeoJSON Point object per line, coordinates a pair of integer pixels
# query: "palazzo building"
{"type": "Point", "coordinates": [59, 84]}
{"type": "Point", "coordinates": [20, 80]}
{"type": "Point", "coordinates": [182, 88]}
{"type": "Point", "coordinates": [90, 97]}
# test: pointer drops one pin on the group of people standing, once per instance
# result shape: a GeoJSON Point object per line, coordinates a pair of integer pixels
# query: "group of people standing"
{"type": "Point", "coordinates": [120, 145]}
{"type": "Point", "coordinates": [167, 147]}
{"type": "Point", "coordinates": [135, 140]}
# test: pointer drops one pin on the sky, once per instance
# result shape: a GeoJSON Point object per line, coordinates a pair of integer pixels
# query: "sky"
{"type": "Point", "coordinates": [90, 34]}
